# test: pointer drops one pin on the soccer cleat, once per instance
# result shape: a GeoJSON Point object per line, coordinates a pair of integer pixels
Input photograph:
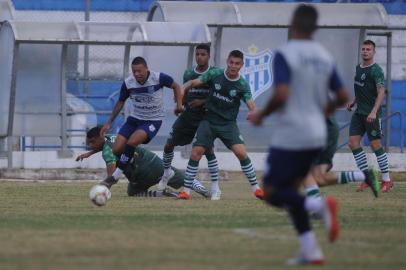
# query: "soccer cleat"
{"type": "Point", "coordinates": [330, 218]}
{"type": "Point", "coordinates": [167, 192]}
{"type": "Point", "coordinates": [362, 187]}
{"type": "Point", "coordinates": [165, 179]}
{"type": "Point", "coordinates": [259, 193]}
{"type": "Point", "coordinates": [108, 182]}
{"type": "Point", "coordinates": [216, 195]}
{"type": "Point", "coordinates": [386, 186]}
{"type": "Point", "coordinates": [371, 179]}
{"type": "Point", "coordinates": [301, 259]}
{"type": "Point", "coordinates": [183, 196]}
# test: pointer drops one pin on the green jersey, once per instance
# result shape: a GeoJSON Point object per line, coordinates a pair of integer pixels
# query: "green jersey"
{"type": "Point", "coordinates": [225, 95]}
{"type": "Point", "coordinates": [366, 81]}
{"type": "Point", "coordinates": [145, 167]}
{"type": "Point", "coordinates": [196, 93]}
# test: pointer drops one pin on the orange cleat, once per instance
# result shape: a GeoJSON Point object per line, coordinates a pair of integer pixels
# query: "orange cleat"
{"type": "Point", "coordinates": [362, 187]}
{"type": "Point", "coordinates": [183, 196]}
{"type": "Point", "coordinates": [386, 186]}
{"type": "Point", "coordinates": [259, 193]}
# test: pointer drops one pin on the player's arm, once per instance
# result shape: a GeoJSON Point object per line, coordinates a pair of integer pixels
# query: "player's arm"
{"type": "Point", "coordinates": [168, 81]}
{"type": "Point", "coordinates": [379, 82]}
{"type": "Point", "coordinates": [191, 84]}
{"type": "Point", "coordinates": [86, 155]}
{"type": "Point", "coordinates": [124, 94]}
{"type": "Point", "coordinates": [110, 168]}
{"type": "Point", "coordinates": [338, 88]}
{"type": "Point", "coordinates": [281, 91]}
{"type": "Point", "coordinates": [378, 103]}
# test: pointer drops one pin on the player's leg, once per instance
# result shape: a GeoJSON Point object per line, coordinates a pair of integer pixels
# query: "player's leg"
{"type": "Point", "coordinates": [204, 140]}
{"type": "Point", "coordinates": [213, 170]}
{"type": "Point", "coordinates": [183, 132]}
{"type": "Point", "coordinates": [177, 181]}
{"type": "Point", "coordinates": [231, 137]}
{"type": "Point", "coordinates": [357, 130]}
{"type": "Point", "coordinates": [281, 190]}
{"type": "Point", "coordinates": [374, 135]}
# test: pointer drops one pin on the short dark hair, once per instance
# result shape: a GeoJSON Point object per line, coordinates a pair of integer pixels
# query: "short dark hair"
{"type": "Point", "coordinates": [93, 132]}
{"type": "Point", "coordinates": [304, 19]}
{"type": "Point", "coordinates": [139, 60]}
{"type": "Point", "coordinates": [237, 54]}
{"type": "Point", "coordinates": [203, 47]}
{"type": "Point", "coordinates": [369, 42]}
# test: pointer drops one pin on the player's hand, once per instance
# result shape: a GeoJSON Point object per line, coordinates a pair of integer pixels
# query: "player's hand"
{"type": "Point", "coordinates": [255, 117]}
{"type": "Point", "coordinates": [104, 129]}
{"type": "Point", "coordinates": [82, 156]}
{"type": "Point", "coordinates": [178, 110]}
{"type": "Point", "coordinates": [196, 103]}
{"type": "Point", "coordinates": [371, 117]}
{"type": "Point", "coordinates": [350, 106]}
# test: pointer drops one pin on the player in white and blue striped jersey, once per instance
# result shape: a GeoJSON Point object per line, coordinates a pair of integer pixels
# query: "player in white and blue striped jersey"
{"type": "Point", "coordinates": [144, 88]}
{"type": "Point", "coordinates": [303, 74]}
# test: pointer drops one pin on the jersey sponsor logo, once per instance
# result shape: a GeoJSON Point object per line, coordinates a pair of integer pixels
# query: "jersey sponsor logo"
{"type": "Point", "coordinates": [359, 83]}
{"type": "Point", "coordinates": [143, 99]}
{"type": "Point", "coordinates": [258, 70]}
{"type": "Point", "coordinates": [226, 99]}
{"type": "Point", "coordinates": [217, 86]}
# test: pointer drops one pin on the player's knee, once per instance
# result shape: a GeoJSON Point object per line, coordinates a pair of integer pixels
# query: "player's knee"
{"type": "Point", "coordinates": [168, 148]}
{"type": "Point", "coordinates": [353, 143]}
{"type": "Point", "coordinates": [117, 149]}
{"type": "Point", "coordinates": [197, 153]}
{"type": "Point", "coordinates": [376, 144]}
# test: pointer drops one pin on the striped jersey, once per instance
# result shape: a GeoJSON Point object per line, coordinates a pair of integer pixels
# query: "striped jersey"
{"type": "Point", "coordinates": [146, 100]}
{"type": "Point", "coordinates": [309, 71]}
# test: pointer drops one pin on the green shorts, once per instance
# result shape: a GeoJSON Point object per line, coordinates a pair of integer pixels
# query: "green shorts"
{"type": "Point", "coordinates": [359, 126]}
{"type": "Point", "coordinates": [135, 187]}
{"type": "Point", "coordinates": [184, 129]}
{"type": "Point", "coordinates": [228, 133]}
{"type": "Point", "coordinates": [327, 154]}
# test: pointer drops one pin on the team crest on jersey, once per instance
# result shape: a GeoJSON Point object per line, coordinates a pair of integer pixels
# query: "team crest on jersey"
{"type": "Point", "coordinates": [217, 86]}
{"type": "Point", "coordinates": [257, 70]}
{"type": "Point", "coordinates": [363, 76]}
{"type": "Point", "coordinates": [233, 93]}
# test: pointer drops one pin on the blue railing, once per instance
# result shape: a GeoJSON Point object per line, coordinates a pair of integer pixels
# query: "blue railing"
{"type": "Point", "coordinates": [383, 119]}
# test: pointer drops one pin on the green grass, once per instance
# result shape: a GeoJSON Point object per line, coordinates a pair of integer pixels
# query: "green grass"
{"type": "Point", "coordinates": [53, 225]}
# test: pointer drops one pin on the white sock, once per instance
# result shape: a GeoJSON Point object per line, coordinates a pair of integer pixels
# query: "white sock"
{"type": "Point", "coordinates": [214, 186]}
{"type": "Point", "coordinates": [385, 177]}
{"type": "Point", "coordinates": [314, 205]}
{"type": "Point", "coordinates": [309, 247]}
{"type": "Point", "coordinates": [117, 173]}
{"type": "Point", "coordinates": [187, 190]}
{"type": "Point", "coordinates": [254, 187]}
{"type": "Point", "coordinates": [167, 172]}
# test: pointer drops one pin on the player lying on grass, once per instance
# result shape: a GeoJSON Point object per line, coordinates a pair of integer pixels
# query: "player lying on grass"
{"type": "Point", "coordinates": [145, 169]}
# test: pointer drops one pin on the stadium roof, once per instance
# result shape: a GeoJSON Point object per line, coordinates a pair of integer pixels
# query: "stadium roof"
{"type": "Point", "coordinates": [126, 33]}
{"type": "Point", "coordinates": [6, 10]}
{"type": "Point", "coordinates": [249, 14]}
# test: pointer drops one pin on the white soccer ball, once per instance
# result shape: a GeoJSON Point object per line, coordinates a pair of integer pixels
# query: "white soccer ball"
{"type": "Point", "coordinates": [99, 195]}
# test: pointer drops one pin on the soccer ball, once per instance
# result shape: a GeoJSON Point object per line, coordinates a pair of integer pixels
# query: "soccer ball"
{"type": "Point", "coordinates": [99, 195]}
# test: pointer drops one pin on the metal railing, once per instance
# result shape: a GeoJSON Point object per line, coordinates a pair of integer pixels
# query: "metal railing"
{"type": "Point", "coordinates": [399, 114]}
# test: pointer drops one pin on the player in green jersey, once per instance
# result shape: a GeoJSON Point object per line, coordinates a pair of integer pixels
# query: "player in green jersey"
{"type": "Point", "coordinates": [184, 128]}
{"type": "Point", "coordinates": [227, 89]}
{"type": "Point", "coordinates": [369, 95]}
{"type": "Point", "coordinates": [144, 171]}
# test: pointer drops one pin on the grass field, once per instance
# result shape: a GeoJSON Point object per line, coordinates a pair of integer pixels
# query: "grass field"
{"type": "Point", "coordinates": [53, 225]}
